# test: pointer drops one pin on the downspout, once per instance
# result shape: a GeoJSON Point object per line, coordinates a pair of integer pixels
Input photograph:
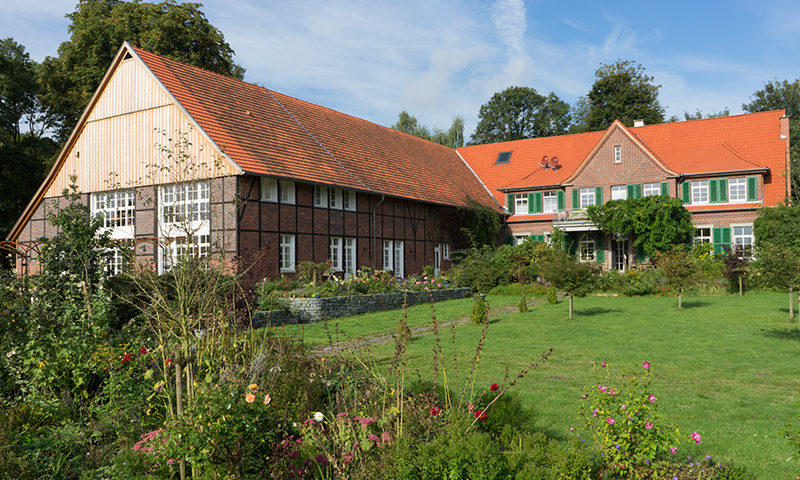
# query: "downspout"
{"type": "Point", "coordinates": [374, 232]}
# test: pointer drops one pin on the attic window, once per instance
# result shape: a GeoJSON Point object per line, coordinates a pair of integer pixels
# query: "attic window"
{"type": "Point", "coordinates": [127, 56]}
{"type": "Point", "coordinates": [503, 158]}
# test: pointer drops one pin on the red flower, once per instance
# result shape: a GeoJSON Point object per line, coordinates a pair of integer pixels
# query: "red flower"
{"type": "Point", "coordinates": [435, 411]}
{"type": "Point", "coordinates": [494, 387]}
{"type": "Point", "coordinates": [169, 362]}
{"type": "Point", "coordinates": [126, 358]}
{"type": "Point", "coordinates": [143, 351]}
{"type": "Point", "coordinates": [480, 415]}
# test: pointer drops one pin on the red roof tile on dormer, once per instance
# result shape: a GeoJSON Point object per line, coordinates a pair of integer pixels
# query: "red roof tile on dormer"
{"type": "Point", "coordinates": [268, 133]}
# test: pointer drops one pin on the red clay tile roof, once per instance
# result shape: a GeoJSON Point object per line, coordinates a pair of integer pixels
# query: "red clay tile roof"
{"type": "Point", "coordinates": [722, 144]}
{"type": "Point", "coordinates": [268, 133]}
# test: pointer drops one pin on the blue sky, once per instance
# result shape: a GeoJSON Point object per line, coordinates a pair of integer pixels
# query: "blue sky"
{"type": "Point", "coordinates": [437, 59]}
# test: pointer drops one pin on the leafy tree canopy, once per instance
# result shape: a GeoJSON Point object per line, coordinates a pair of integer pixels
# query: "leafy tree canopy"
{"type": "Point", "coordinates": [623, 91]}
{"type": "Point", "coordinates": [778, 225]}
{"type": "Point", "coordinates": [176, 30]}
{"type": "Point", "coordinates": [680, 268]}
{"type": "Point", "coordinates": [657, 223]}
{"type": "Point", "coordinates": [783, 95]}
{"type": "Point", "coordinates": [452, 137]}
{"type": "Point", "coordinates": [520, 112]}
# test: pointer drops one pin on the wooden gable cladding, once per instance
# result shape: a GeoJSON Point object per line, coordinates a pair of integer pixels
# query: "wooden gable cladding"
{"type": "Point", "coordinates": [123, 139]}
{"type": "Point", "coordinates": [636, 165]}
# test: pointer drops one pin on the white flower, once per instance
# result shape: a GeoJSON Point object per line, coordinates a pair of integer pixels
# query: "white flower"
{"type": "Point", "coordinates": [318, 417]}
{"type": "Point", "coordinates": [11, 353]}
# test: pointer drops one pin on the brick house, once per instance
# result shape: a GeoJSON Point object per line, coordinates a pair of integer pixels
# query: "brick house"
{"type": "Point", "coordinates": [177, 158]}
{"type": "Point", "coordinates": [724, 169]}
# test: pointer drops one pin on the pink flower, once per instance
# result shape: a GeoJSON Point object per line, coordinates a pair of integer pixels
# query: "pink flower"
{"type": "Point", "coordinates": [170, 461]}
{"type": "Point", "coordinates": [603, 365]}
{"type": "Point", "coordinates": [126, 358]}
{"type": "Point", "coordinates": [494, 387]}
{"type": "Point", "coordinates": [596, 411]}
{"type": "Point", "coordinates": [697, 438]}
{"type": "Point", "coordinates": [612, 392]}
{"type": "Point", "coordinates": [623, 406]}
{"type": "Point", "coordinates": [602, 388]}
{"type": "Point", "coordinates": [673, 450]}
{"type": "Point", "coordinates": [585, 397]}
{"type": "Point", "coordinates": [439, 285]}
{"type": "Point", "coordinates": [648, 425]}
{"type": "Point", "coordinates": [387, 437]}
{"type": "Point", "coordinates": [571, 429]}
{"type": "Point", "coordinates": [418, 282]}
{"type": "Point", "coordinates": [652, 398]}
{"type": "Point", "coordinates": [249, 398]}
{"type": "Point", "coordinates": [143, 351]}
{"type": "Point", "coordinates": [646, 365]}
{"type": "Point", "coordinates": [373, 437]}
{"type": "Point", "coordinates": [610, 421]}
{"type": "Point", "coordinates": [435, 411]}
{"type": "Point", "coordinates": [470, 407]}
{"type": "Point", "coordinates": [267, 399]}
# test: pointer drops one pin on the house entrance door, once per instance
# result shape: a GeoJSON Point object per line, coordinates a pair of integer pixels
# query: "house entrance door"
{"type": "Point", "coordinates": [619, 260]}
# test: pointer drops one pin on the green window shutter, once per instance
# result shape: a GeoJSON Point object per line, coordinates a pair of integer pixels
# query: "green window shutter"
{"type": "Point", "coordinates": [687, 192]}
{"type": "Point", "coordinates": [538, 206]}
{"type": "Point", "coordinates": [751, 189]}
{"type": "Point", "coordinates": [723, 190]}
{"type": "Point", "coordinates": [631, 191]}
{"type": "Point", "coordinates": [576, 198]}
{"type": "Point", "coordinates": [531, 204]}
{"type": "Point", "coordinates": [726, 236]}
{"type": "Point", "coordinates": [722, 238]}
{"type": "Point", "coordinates": [639, 190]}
{"type": "Point", "coordinates": [599, 247]}
{"type": "Point", "coordinates": [560, 200]}
{"type": "Point", "coordinates": [664, 189]}
{"type": "Point", "coordinates": [641, 256]}
{"type": "Point", "coordinates": [510, 203]}
{"type": "Point", "coordinates": [537, 238]}
{"type": "Point", "coordinates": [598, 195]}
{"type": "Point", "coordinates": [713, 191]}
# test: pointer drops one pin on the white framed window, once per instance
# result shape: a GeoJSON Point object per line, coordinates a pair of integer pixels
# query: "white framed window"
{"type": "Point", "coordinates": [183, 222]}
{"type": "Point", "coordinates": [399, 259]}
{"type": "Point", "coordinates": [119, 259]}
{"type": "Point", "coordinates": [446, 251]}
{"type": "Point", "coordinates": [699, 192]}
{"type": "Point", "coordinates": [619, 192]}
{"type": "Point", "coordinates": [349, 257]}
{"type": "Point", "coordinates": [617, 154]}
{"type": "Point", "coordinates": [336, 198]}
{"type": "Point", "coordinates": [521, 203]}
{"type": "Point", "coordinates": [336, 253]}
{"type": "Point", "coordinates": [287, 191]}
{"type": "Point", "coordinates": [349, 200]}
{"type": "Point", "coordinates": [388, 255]}
{"type": "Point", "coordinates": [587, 197]}
{"type": "Point", "coordinates": [320, 196]}
{"type": "Point", "coordinates": [549, 202]}
{"type": "Point", "coordinates": [117, 211]}
{"type": "Point", "coordinates": [269, 189]}
{"type": "Point", "coordinates": [737, 190]}
{"type": "Point", "coordinates": [702, 235]}
{"type": "Point", "coordinates": [587, 250]}
{"type": "Point", "coordinates": [742, 240]}
{"type": "Point", "coordinates": [520, 239]}
{"type": "Point", "coordinates": [651, 189]}
{"type": "Point", "coordinates": [286, 253]}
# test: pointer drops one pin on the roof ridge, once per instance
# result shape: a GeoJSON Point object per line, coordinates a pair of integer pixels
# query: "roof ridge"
{"type": "Point", "coordinates": [317, 141]}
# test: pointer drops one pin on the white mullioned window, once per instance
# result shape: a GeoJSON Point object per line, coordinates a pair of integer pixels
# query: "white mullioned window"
{"type": "Point", "coordinates": [286, 253]}
{"type": "Point", "coordinates": [446, 251]}
{"type": "Point", "coordinates": [587, 197]}
{"type": "Point", "coordinates": [619, 192]}
{"type": "Point", "coordinates": [617, 154]}
{"type": "Point", "coordinates": [587, 250]}
{"type": "Point", "coordinates": [549, 202]}
{"type": "Point", "coordinates": [117, 210]}
{"type": "Point", "coordinates": [520, 239]}
{"type": "Point", "coordinates": [349, 200]}
{"type": "Point", "coordinates": [388, 256]}
{"type": "Point", "coordinates": [320, 196]}
{"type": "Point", "coordinates": [399, 259]}
{"type": "Point", "coordinates": [269, 189]}
{"type": "Point", "coordinates": [287, 191]}
{"type": "Point", "coordinates": [651, 189]}
{"type": "Point", "coordinates": [521, 203]}
{"type": "Point", "coordinates": [700, 192]}
{"type": "Point", "coordinates": [336, 198]}
{"type": "Point", "coordinates": [336, 253]}
{"type": "Point", "coordinates": [349, 257]}
{"type": "Point", "coordinates": [702, 235]}
{"type": "Point", "coordinates": [737, 190]}
{"type": "Point", "coordinates": [183, 222]}
{"type": "Point", "coordinates": [742, 240]}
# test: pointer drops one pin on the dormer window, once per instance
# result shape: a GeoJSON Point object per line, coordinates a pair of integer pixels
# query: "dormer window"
{"type": "Point", "coordinates": [503, 158]}
{"type": "Point", "coordinates": [617, 154]}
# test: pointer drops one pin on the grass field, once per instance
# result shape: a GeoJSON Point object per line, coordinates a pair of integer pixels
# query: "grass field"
{"type": "Point", "coordinates": [724, 366]}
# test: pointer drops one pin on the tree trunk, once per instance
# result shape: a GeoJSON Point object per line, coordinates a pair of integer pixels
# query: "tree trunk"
{"type": "Point", "coordinates": [740, 285]}
{"type": "Point", "coordinates": [179, 405]}
{"type": "Point", "coordinates": [791, 304]}
{"type": "Point", "coordinates": [570, 306]}
{"type": "Point", "coordinates": [680, 298]}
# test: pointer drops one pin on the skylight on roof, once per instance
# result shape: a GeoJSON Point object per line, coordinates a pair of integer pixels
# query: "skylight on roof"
{"type": "Point", "coordinates": [503, 158]}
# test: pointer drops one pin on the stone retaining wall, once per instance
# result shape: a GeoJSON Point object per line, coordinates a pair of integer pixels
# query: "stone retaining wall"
{"type": "Point", "coordinates": [309, 310]}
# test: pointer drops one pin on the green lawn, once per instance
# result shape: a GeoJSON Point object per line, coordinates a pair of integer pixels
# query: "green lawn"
{"type": "Point", "coordinates": [724, 366]}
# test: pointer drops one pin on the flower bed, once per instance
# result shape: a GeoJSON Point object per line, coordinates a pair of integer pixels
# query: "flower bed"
{"type": "Point", "coordinates": [309, 310]}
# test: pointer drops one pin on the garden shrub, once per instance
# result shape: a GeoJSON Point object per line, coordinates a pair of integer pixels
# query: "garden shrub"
{"type": "Point", "coordinates": [480, 312]}
{"type": "Point", "coordinates": [523, 303]}
{"type": "Point", "coordinates": [552, 295]}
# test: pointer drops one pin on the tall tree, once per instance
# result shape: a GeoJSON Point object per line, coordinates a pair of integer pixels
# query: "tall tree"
{"type": "Point", "coordinates": [452, 137]}
{"type": "Point", "coordinates": [622, 91]}
{"type": "Point", "coordinates": [177, 30]}
{"type": "Point", "coordinates": [520, 112]}
{"type": "Point", "coordinates": [783, 95]}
